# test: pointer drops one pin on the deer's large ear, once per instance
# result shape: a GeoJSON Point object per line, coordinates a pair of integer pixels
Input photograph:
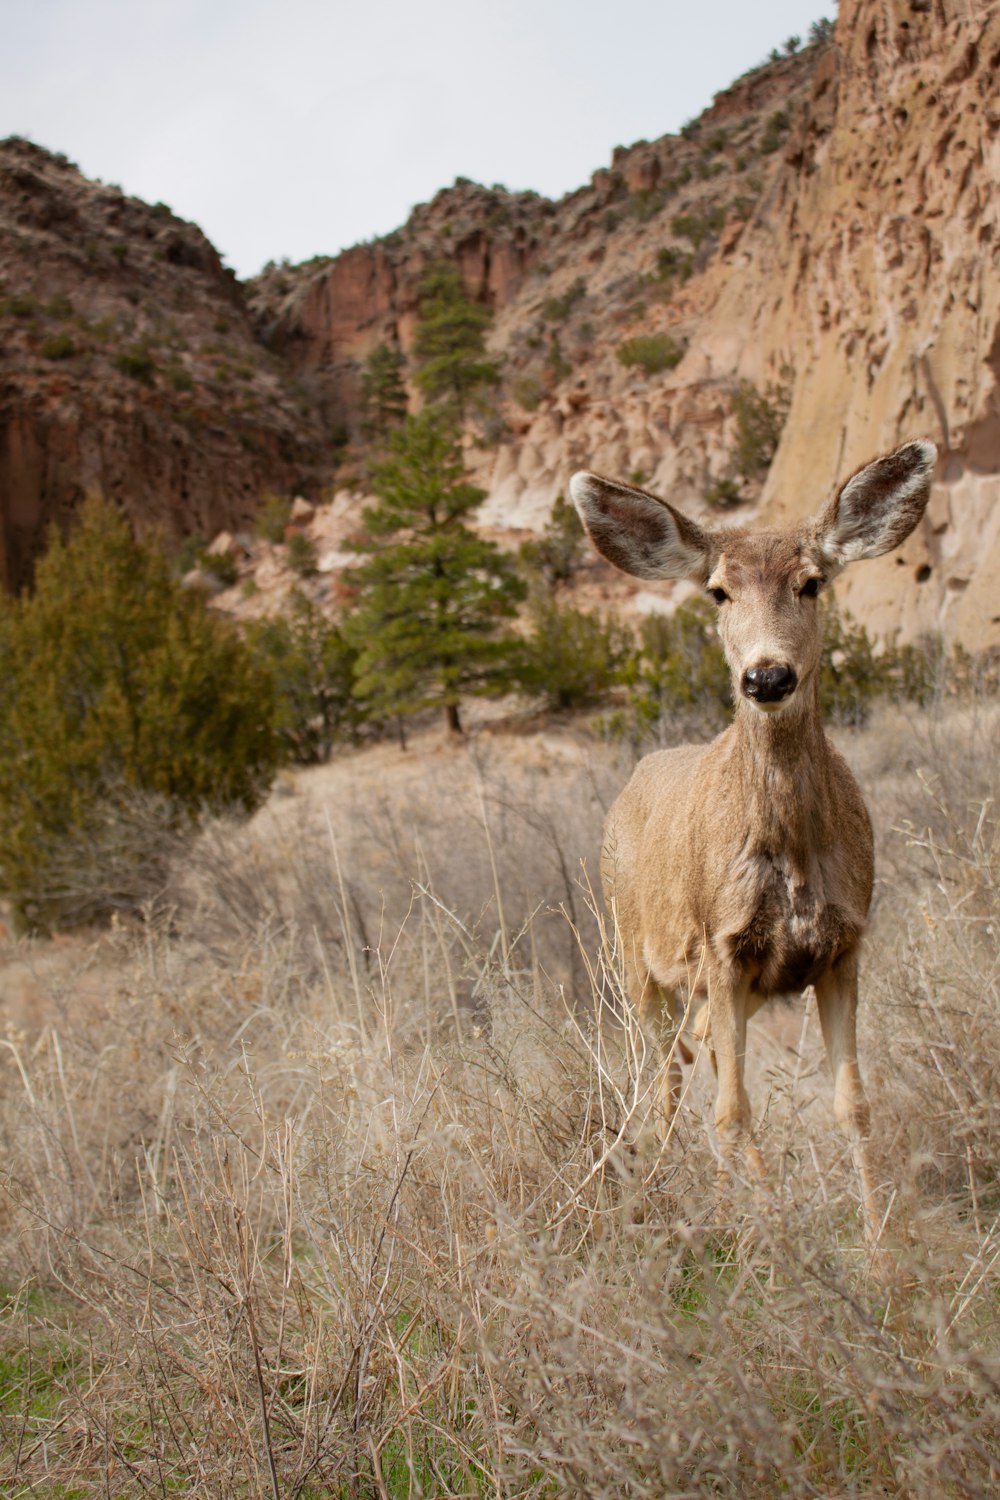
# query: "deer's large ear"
{"type": "Point", "coordinates": [878, 506]}
{"type": "Point", "coordinates": [638, 533]}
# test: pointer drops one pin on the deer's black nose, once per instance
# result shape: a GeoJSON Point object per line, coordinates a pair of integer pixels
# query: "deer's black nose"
{"type": "Point", "coordinates": [769, 684]}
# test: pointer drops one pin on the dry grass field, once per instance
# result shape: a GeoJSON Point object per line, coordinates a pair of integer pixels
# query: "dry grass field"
{"type": "Point", "coordinates": [334, 1178]}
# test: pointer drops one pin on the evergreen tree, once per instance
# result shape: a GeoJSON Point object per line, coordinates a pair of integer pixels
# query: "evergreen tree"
{"type": "Point", "coordinates": [557, 554]}
{"type": "Point", "coordinates": [450, 342]}
{"type": "Point", "coordinates": [383, 393]}
{"type": "Point", "coordinates": [433, 596]}
{"type": "Point", "coordinates": [118, 689]}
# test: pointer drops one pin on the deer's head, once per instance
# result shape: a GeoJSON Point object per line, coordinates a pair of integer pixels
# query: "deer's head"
{"type": "Point", "coordinates": [765, 583]}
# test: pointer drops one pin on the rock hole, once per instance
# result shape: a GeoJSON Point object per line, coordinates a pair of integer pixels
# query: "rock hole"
{"type": "Point", "coordinates": [923, 573]}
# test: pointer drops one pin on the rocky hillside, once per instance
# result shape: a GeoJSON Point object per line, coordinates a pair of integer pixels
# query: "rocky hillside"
{"type": "Point", "coordinates": [128, 364]}
{"type": "Point", "coordinates": [821, 242]}
{"type": "Point", "coordinates": [735, 317]}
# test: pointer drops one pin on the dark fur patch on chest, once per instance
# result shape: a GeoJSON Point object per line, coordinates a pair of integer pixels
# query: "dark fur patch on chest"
{"type": "Point", "coordinates": [783, 952]}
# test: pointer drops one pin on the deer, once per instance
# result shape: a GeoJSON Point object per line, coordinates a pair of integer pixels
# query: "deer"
{"type": "Point", "coordinates": [742, 870]}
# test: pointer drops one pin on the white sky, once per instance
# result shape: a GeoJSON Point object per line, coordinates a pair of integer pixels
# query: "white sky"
{"type": "Point", "coordinates": [294, 128]}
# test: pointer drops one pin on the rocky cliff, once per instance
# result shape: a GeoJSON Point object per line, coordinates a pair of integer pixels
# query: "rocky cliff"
{"type": "Point", "coordinates": [812, 260]}
{"type": "Point", "coordinates": [823, 238]}
{"type": "Point", "coordinates": [129, 365]}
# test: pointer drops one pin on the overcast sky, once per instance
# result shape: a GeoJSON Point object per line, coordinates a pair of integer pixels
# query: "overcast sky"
{"type": "Point", "coordinates": [297, 128]}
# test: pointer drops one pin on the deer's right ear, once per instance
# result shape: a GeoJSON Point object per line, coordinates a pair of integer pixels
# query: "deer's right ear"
{"type": "Point", "coordinates": [637, 532]}
{"type": "Point", "coordinates": [879, 506]}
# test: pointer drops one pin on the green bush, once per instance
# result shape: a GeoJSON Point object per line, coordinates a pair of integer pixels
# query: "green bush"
{"type": "Point", "coordinates": [59, 346]}
{"type": "Point", "coordinates": [558, 309]}
{"type": "Point", "coordinates": [698, 227]}
{"type": "Point", "coordinates": [775, 131]}
{"type": "Point", "coordinates": [137, 362]}
{"type": "Point", "coordinates": [179, 378]}
{"type": "Point", "coordinates": [527, 390]}
{"type": "Point", "coordinates": [302, 557]}
{"type": "Point", "coordinates": [189, 554]}
{"type": "Point", "coordinates": [557, 553]}
{"type": "Point", "coordinates": [677, 681]}
{"type": "Point", "coordinates": [272, 518]}
{"type": "Point", "coordinates": [571, 659]}
{"type": "Point", "coordinates": [221, 566]}
{"type": "Point", "coordinates": [723, 494]}
{"type": "Point", "coordinates": [312, 664]}
{"type": "Point", "coordinates": [760, 421]}
{"type": "Point", "coordinates": [118, 690]}
{"type": "Point", "coordinates": [651, 352]}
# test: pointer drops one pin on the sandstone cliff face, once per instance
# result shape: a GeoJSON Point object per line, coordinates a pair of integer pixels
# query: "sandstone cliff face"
{"type": "Point", "coordinates": [569, 284]}
{"type": "Point", "coordinates": [873, 272]}
{"type": "Point", "coordinates": [128, 365]}
{"type": "Point", "coordinates": [828, 229]}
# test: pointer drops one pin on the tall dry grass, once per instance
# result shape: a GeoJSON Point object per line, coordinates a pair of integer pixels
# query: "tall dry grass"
{"type": "Point", "coordinates": [346, 1188]}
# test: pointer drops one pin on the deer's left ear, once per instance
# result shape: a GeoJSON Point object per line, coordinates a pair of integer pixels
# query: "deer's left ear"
{"type": "Point", "coordinates": [878, 506]}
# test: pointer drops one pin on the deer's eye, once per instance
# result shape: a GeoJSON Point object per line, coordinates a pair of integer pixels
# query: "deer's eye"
{"type": "Point", "coordinates": [810, 588]}
{"type": "Point", "coordinates": [719, 595]}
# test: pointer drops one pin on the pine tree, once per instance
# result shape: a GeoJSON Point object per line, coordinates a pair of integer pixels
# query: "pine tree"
{"type": "Point", "coordinates": [383, 393]}
{"type": "Point", "coordinates": [451, 340]}
{"type": "Point", "coordinates": [433, 596]}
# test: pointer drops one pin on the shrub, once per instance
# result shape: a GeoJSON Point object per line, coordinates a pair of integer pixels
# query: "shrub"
{"type": "Point", "coordinates": [677, 679]}
{"type": "Point", "coordinates": [527, 390]}
{"type": "Point", "coordinates": [312, 664]}
{"type": "Point", "coordinates": [555, 555]}
{"type": "Point", "coordinates": [302, 557]}
{"type": "Point", "coordinates": [118, 687]}
{"type": "Point", "coordinates": [760, 420]}
{"type": "Point", "coordinates": [178, 378]}
{"type": "Point", "coordinates": [59, 346]}
{"type": "Point", "coordinates": [723, 494]}
{"type": "Point", "coordinates": [774, 131]}
{"type": "Point", "coordinates": [652, 352]}
{"type": "Point", "coordinates": [137, 362]}
{"type": "Point", "coordinates": [272, 517]}
{"type": "Point", "coordinates": [558, 309]}
{"type": "Point", "coordinates": [571, 659]}
{"type": "Point", "coordinates": [189, 553]}
{"type": "Point", "coordinates": [698, 227]}
{"type": "Point", "coordinates": [556, 364]}
{"type": "Point", "coordinates": [221, 566]}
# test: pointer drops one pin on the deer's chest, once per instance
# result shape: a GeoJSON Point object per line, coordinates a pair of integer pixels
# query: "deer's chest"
{"type": "Point", "coordinates": [790, 927]}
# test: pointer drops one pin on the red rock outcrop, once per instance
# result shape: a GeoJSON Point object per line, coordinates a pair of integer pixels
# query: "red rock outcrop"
{"type": "Point", "coordinates": [128, 365]}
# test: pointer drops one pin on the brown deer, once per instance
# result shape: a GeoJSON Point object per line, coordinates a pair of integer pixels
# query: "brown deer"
{"type": "Point", "coordinates": [742, 869]}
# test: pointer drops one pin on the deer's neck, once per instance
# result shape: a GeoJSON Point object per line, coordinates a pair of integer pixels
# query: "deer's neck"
{"type": "Point", "coordinates": [784, 773]}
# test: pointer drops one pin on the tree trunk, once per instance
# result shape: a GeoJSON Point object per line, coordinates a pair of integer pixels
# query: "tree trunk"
{"type": "Point", "coordinates": [451, 718]}
{"type": "Point", "coordinates": [401, 731]}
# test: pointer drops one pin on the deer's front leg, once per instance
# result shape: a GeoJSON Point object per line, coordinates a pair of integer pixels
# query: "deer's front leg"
{"type": "Point", "coordinates": [837, 1002]}
{"type": "Point", "coordinates": [728, 1001]}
